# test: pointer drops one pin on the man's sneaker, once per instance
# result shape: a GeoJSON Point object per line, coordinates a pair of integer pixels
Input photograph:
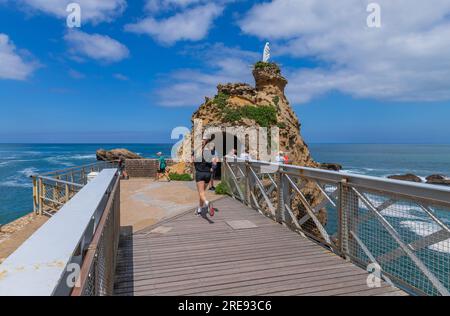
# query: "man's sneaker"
{"type": "Point", "coordinates": [212, 189]}
{"type": "Point", "coordinates": [198, 212]}
{"type": "Point", "coordinates": [210, 208]}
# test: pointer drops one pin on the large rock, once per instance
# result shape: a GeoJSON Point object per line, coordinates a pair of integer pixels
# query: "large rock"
{"type": "Point", "coordinates": [438, 179]}
{"type": "Point", "coordinates": [406, 177]}
{"type": "Point", "coordinates": [331, 166]}
{"type": "Point", "coordinates": [116, 154]}
{"type": "Point", "coordinates": [268, 100]}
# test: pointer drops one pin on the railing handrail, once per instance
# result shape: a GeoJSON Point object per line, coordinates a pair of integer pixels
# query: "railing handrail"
{"type": "Point", "coordinates": [71, 169]}
{"type": "Point", "coordinates": [437, 193]}
{"type": "Point", "coordinates": [396, 225]}
{"type": "Point", "coordinates": [39, 265]}
{"type": "Point", "coordinates": [62, 181]}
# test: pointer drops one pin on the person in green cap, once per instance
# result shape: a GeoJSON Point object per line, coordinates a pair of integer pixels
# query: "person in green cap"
{"type": "Point", "coordinates": [162, 165]}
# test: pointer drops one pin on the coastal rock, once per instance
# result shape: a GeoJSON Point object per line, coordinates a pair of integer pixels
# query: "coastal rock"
{"type": "Point", "coordinates": [180, 168]}
{"type": "Point", "coordinates": [116, 154]}
{"type": "Point", "coordinates": [264, 105]}
{"type": "Point", "coordinates": [438, 179]}
{"type": "Point", "coordinates": [406, 177]}
{"type": "Point", "coordinates": [331, 166]}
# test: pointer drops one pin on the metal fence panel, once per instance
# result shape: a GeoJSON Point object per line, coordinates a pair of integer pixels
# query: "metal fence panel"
{"type": "Point", "coordinates": [402, 227]}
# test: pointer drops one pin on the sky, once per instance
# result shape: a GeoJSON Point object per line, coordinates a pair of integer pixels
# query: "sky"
{"type": "Point", "coordinates": [135, 70]}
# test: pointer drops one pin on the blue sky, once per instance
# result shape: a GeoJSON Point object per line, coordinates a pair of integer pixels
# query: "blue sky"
{"type": "Point", "coordinates": [136, 69]}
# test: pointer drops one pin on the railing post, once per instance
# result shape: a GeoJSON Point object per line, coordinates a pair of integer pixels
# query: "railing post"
{"type": "Point", "coordinates": [83, 176]}
{"type": "Point", "coordinates": [67, 193]}
{"type": "Point", "coordinates": [281, 210]}
{"type": "Point", "coordinates": [342, 223]}
{"type": "Point", "coordinates": [247, 184]}
{"type": "Point", "coordinates": [40, 195]}
{"type": "Point", "coordinates": [347, 217]}
{"type": "Point", "coordinates": [35, 195]}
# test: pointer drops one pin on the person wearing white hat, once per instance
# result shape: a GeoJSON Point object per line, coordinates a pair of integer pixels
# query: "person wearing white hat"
{"type": "Point", "coordinates": [162, 164]}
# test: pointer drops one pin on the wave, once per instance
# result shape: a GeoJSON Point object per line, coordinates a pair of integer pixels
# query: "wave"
{"type": "Point", "coordinates": [16, 184]}
{"type": "Point", "coordinates": [91, 156]}
{"type": "Point", "coordinates": [27, 172]}
{"type": "Point", "coordinates": [67, 160]}
{"type": "Point", "coordinates": [424, 229]}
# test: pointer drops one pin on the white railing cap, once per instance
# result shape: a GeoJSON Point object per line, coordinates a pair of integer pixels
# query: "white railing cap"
{"type": "Point", "coordinates": [37, 266]}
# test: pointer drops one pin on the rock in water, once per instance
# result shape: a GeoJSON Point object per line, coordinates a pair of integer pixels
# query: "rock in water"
{"type": "Point", "coordinates": [331, 166]}
{"type": "Point", "coordinates": [116, 154]}
{"type": "Point", "coordinates": [406, 177]}
{"type": "Point", "coordinates": [438, 179]}
{"type": "Point", "coordinates": [265, 105]}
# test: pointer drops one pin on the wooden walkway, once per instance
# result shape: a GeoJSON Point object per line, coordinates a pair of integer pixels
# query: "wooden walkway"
{"type": "Point", "coordinates": [189, 255]}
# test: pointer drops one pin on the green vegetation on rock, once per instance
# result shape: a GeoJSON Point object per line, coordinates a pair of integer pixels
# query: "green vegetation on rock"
{"type": "Point", "coordinates": [263, 115]}
{"type": "Point", "coordinates": [222, 189]}
{"type": "Point", "coordinates": [180, 177]}
{"type": "Point", "coordinates": [270, 65]}
{"type": "Point", "coordinates": [281, 125]}
{"type": "Point", "coordinates": [221, 100]}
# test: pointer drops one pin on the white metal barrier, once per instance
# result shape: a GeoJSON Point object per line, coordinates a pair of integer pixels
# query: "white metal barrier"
{"type": "Point", "coordinates": [402, 227]}
{"type": "Point", "coordinates": [49, 262]}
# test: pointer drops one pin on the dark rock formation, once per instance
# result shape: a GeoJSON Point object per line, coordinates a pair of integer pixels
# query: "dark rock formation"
{"type": "Point", "coordinates": [406, 177]}
{"type": "Point", "coordinates": [331, 166]}
{"type": "Point", "coordinates": [116, 154]}
{"type": "Point", "coordinates": [438, 179]}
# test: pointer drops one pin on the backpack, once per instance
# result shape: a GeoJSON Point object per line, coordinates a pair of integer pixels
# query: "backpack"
{"type": "Point", "coordinates": [162, 163]}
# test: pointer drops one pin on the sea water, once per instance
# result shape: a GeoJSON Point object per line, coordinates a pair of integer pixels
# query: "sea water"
{"type": "Point", "coordinates": [19, 161]}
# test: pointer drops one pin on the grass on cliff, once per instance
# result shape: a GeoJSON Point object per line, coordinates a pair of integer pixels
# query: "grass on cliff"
{"type": "Point", "coordinates": [222, 189]}
{"type": "Point", "coordinates": [269, 65]}
{"type": "Point", "coordinates": [263, 115]}
{"type": "Point", "coordinates": [180, 177]}
{"type": "Point", "coordinates": [221, 100]}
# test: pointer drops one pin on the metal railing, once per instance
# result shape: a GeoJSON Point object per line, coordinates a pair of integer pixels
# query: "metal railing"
{"type": "Point", "coordinates": [98, 268]}
{"type": "Point", "coordinates": [52, 190]}
{"type": "Point", "coordinates": [74, 253]}
{"type": "Point", "coordinates": [401, 228]}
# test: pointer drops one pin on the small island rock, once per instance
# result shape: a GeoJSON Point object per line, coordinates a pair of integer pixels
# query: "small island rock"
{"type": "Point", "coordinates": [116, 154]}
{"type": "Point", "coordinates": [406, 177]}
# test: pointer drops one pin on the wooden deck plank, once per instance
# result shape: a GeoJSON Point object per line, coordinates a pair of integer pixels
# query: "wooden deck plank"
{"type": "Point", "coordinates": [200, 257]}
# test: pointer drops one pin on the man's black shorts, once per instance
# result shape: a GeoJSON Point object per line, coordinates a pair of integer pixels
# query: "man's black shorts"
{"type": "Point", "coordinates": [203, 176]}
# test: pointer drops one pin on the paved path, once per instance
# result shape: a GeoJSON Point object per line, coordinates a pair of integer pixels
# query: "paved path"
{"type": "Point", "coordinates": [145, 202]}
{"type": "Point", "coordinates": [238, 252]}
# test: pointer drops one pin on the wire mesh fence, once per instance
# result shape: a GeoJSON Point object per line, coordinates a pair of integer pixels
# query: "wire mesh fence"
{"type": "Point", "coordinates": [403, 228]}
{"type": "Point", "coordinates": [53, 189]}
{"type": "Point", "coordinates": [98, 268]}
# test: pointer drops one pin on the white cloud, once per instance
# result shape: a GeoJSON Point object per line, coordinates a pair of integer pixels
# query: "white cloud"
{"type": "Point", "coordinates": [99, 47]}
{"type": "Point", "coordinates": [191, 24]}
{"type": "Point", "coordinates": [187, 87]}
{"type": "Point", "coordinates": [155, 6]}
{"type": "Point", "coordinates": [407, 59]}
{"type": "Point", "coordinates": [76, 74]}
{"type": "Point", "coordinates": [94, 11]}
{"type": "Point", "coordinates": [120, 77]}
{"type": "Point", "coordinates": [12, 64]}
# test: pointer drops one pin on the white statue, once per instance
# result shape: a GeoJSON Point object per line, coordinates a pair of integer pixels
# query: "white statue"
{"type": "Point", "coordinates": [266, 55]}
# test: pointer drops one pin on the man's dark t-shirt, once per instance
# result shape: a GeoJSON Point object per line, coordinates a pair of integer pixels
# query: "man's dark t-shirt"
{"type": "Point", "coordinates": [202, 166]}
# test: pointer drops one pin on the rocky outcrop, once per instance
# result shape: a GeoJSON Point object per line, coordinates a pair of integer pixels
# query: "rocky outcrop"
{"type": "Point", "coordinates": [240, 104]}
{"type": "Point", "coordinates": [438, 179]}
{"type": "Point", "coordinates": [435, 179]}
{"type": "Point", "coordinates": [406, 177]}
{"type": "Point", "coordinates": [264, 105]}
{"type": "Point", "coordinates": [116, 154]}
{"type": "Point", "coordinates": [331, 166]}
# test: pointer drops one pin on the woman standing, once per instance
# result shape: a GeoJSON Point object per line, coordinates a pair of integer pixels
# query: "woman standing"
{"type": "Point", "coordinates": [203, 171]}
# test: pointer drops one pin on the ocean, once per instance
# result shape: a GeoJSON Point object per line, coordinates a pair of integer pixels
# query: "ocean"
{"type": "Point", "coordinates": [19, 161]}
